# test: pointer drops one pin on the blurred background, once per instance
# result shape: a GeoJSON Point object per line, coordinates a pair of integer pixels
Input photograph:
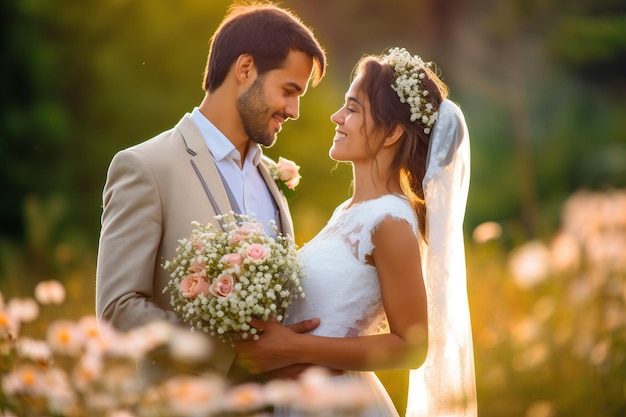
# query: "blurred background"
{"type": "Point", "coordinates": [543, 88]}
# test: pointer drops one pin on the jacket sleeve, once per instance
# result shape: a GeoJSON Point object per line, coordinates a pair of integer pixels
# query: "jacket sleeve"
{"type": "Point", "coordinates": [129, 242]}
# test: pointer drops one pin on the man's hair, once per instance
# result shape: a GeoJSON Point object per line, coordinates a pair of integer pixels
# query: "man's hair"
{"type": "Point", "coordinates": [266, 32]}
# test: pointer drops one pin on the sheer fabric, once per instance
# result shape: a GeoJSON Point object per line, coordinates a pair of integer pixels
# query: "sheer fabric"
{"type": "Point", "coordinates": [445, 384]}
{"type": "Point", "coordinates": [342, 289]}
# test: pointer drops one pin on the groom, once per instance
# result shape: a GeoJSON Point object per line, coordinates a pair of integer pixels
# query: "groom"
{"type": "Point", "coordinates": [260, 63]}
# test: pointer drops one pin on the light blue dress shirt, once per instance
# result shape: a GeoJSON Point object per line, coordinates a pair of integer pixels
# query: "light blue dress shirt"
{"type": "Point", "coordinates": [245, 181]}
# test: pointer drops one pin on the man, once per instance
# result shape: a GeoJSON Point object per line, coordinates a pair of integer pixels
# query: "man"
{"type": "Point", "coordinates": [260, 63]}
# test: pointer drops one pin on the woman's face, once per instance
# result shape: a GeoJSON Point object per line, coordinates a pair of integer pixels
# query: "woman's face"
{"type": "Point", "coordinates": [353, 121]}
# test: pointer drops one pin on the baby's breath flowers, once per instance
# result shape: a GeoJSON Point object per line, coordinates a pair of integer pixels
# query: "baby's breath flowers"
{"type": "Point", "coordinates": [222, 279]}
{"type": "Point", "coordinates": [410, 71]}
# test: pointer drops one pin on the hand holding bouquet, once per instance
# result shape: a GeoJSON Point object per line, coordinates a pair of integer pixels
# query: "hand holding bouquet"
{"type": "Point", "coordinates": [223, 278]}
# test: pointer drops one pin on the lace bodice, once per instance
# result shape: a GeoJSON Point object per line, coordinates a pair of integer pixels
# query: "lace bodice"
{"type": "Point", "coordinates": [342, 289]}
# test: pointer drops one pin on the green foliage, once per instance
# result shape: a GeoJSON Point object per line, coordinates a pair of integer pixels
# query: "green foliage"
{"type": "Point", "coordinates": [79, 89]}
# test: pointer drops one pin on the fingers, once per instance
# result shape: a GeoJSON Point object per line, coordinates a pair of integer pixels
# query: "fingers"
{"type": "Point", "coordinates": [294, 371]}
{"type": "Point", "coordinates": [288, 372]}
{"type": "Point", "coordinates": [336, 372]}
{"type": "Point", "coordinates": [260, 325]}
{"type": "Point", "coordinates": [256, 323]}
{"type": "Point", "coordinates": [304, 326]}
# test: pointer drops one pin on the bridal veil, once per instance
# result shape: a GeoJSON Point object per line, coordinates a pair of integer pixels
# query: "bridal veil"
{"type": "Point", "coordinates": [445, 384]}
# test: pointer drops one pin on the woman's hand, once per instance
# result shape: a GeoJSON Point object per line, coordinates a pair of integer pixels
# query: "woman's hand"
{"type": "Point", "coordinates": [272, 349]}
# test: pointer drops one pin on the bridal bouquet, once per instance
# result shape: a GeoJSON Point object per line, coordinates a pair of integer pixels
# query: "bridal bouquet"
{"type": "Point", "coordinates": [223, 278]}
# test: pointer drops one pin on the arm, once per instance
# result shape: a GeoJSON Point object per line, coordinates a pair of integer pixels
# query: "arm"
{"type": "Point", "coordinates": [129, 244]}
{"type": "Point", "coordinates": [295, 370]}
{"type": "Point", "coordinates": [396, 257]}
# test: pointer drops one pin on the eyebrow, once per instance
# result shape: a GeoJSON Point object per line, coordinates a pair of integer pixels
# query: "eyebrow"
{"type": "Point", "coordinates": [295, 86]}
{"type": "Point", "coordinates": [354, 99]}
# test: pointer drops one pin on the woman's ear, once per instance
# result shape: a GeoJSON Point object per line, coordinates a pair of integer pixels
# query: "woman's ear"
{"type": "Point", "coordinates": [394, 135]}
{"type": "Point", "coordinates": [245, 70]}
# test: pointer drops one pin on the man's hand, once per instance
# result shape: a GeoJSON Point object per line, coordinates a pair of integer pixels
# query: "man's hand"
{"type": "Point", "coordinates": [256, 356]}
{"type": "Point", "coordinates": [287, 372]}
{"type": "Point", "coordinates": [264, 355]}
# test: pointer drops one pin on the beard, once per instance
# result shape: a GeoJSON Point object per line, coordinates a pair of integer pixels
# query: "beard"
{"type": "Point", "coordinates": [255, 114]}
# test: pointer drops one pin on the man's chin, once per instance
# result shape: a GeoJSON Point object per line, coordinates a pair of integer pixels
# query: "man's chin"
{"type": "Point", "coordinates": [267, 141]}
{"type": "Point", "coordinates": [271, 143]}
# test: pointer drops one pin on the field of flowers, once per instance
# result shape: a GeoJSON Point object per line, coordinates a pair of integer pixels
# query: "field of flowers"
{"type": "Point", "coordinates": [550, 315]}
{"type": "Point", "coordinates": [80, 369]}
{"type": "Point", "coordinates": [549, 319]}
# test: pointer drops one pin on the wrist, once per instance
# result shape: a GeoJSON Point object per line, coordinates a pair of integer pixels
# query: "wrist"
{"type": "Point", "coordinates": [299, 350]}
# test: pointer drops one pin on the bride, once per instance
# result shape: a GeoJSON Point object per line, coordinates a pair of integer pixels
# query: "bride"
{"type": "Point", "coordinates": [393, 253]}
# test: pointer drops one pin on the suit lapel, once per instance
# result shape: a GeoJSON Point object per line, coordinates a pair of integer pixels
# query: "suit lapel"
{"type": "Point", "coordinates": [286, 224]}
{"type": "Point", "coordinates": [202, 161]}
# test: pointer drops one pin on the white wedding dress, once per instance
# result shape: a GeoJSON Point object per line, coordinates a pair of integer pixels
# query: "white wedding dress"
{"type": "Point", "coordinates": [342, 289]}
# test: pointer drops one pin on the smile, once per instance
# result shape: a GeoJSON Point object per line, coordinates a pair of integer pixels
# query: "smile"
{"type": "Point", "coordinates": [339, 136]}
{"type": "Point", "coordinates": [279, 121]}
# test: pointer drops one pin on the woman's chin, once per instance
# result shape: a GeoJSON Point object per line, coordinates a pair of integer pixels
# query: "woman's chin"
{"type": "Point", "coordinates": [335, 155]}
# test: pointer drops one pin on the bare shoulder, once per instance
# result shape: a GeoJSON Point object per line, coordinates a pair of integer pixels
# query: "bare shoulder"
{"type": "Point", "coordinates": [394, 233]}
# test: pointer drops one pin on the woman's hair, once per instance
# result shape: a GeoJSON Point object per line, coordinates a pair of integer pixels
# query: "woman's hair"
{"type": "Point", "coordinates": [266, 32]}
{"type": "Point", "coordinates": [387, 111]}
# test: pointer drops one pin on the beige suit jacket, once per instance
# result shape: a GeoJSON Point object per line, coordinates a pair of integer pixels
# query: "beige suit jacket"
{"type": "Point", "coordinates": [151, 196]}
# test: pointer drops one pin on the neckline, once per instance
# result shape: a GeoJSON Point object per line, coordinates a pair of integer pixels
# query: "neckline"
{"type": "Point", "coordinates": [348, 206]}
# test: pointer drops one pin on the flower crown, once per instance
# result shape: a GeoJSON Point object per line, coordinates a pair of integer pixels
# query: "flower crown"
{"type": "Point", "coordinates": [410, 71]}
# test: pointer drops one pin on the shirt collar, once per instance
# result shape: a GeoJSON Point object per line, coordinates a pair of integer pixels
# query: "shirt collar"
{"type": "Point", "coordinates": [218, 143]}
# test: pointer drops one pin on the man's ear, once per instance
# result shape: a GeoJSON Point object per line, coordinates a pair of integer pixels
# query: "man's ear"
{"type": "Point", "coordinates": [394, 135]}
{"type": "Point", "coordinates": [245, 70]}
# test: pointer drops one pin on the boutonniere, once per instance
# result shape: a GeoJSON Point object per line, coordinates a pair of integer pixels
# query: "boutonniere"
{"type": "Point", "coordinates": [286, 174]}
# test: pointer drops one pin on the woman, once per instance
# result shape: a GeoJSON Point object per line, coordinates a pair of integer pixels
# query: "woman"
{"type": "Point", "coordinates": [392, 253]}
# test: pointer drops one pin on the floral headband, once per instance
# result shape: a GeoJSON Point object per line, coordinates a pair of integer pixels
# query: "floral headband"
{"type": "Point", "coordinates": [410, 70]}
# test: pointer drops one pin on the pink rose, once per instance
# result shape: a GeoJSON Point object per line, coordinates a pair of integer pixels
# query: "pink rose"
{"type": "Point", "coordinates": [233, 259]}
{"type": "Point", "coordinates": [247, 228]}
{"type": "Point", "coordinates": [288, 172]}
{"type": "Point", "coordinates": [197, 243]}
{"type": "Point", "coordinates": [193, 285]}
{"type": "Point", "coordinates": [222, 285]}
{"type": "Point", "coordinates": [236, 238]}
{"type": "Point", "coordinates": [244, 230]}
{"type": "Point", "coordinates": [257, 252]}
{"type": "Point", "coordinates": [197, 265]}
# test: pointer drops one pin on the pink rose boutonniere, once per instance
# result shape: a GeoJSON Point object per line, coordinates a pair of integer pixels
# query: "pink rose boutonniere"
{"type": "Point", "coordinates": [286, 174]}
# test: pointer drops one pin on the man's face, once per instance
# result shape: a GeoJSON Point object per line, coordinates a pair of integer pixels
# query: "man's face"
{"type": "Point", "coordinates": [274, 97]}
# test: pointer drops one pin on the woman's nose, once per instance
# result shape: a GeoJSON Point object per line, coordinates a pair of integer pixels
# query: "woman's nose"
{"type": "Point", "coordinates": [336, 117]}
